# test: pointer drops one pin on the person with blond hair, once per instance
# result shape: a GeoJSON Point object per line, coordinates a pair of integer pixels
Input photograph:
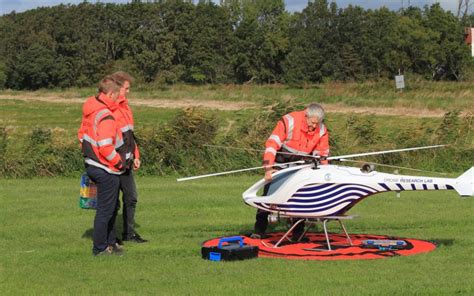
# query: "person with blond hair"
{"type": "Point", "coordinates": [124, 116]}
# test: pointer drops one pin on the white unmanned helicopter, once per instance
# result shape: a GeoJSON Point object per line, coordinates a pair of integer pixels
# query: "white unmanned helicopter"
{"type": "Point", "coordinates": [315, 190]}
{"type": "Point", "coordinates": [308, 191]}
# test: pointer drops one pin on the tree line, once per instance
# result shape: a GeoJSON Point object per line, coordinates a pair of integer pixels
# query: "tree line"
{"type": "Point", "coordinates": [238, 41]}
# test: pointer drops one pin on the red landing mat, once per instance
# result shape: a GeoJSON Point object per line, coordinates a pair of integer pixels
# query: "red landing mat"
{"type": "Point", "coordinates": [341, 250]}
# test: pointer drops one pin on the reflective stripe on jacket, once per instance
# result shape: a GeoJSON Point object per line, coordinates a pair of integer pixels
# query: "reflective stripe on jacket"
{"type": "Point", "coordinates": [100, 136]}
{"type": "Point", "coordinates": [124, 117]}
{"type": "Point", "coordinates": [291, 134]}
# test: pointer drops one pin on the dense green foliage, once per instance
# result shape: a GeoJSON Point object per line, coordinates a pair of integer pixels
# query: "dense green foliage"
{"type": "Point", "coordinates": [238, 41]}
{"type": "Point", "coordinates": [46, 244]}
{"type": "Point", "coordinates": [181, 145]}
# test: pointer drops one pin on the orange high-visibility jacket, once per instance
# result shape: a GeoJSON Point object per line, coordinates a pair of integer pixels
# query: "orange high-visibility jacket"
{"type": "Point", "coordinates": [291, 134]}
{"type": "Point", "coordinates": [124, 118]}
{"type": "Point", "coordinates": [100, 135]}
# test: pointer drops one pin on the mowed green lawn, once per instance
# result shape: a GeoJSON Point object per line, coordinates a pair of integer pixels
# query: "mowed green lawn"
{"type": "Point", "coordinates": [45, 244]}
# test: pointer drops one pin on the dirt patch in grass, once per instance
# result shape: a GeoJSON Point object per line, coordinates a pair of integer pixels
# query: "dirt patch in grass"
{"type": "Point", "coordinates": [157, 103]}
{"type": "Point", "coordinates": [398, 111]}
{"type": "Point", "coordinates": [209, 104]}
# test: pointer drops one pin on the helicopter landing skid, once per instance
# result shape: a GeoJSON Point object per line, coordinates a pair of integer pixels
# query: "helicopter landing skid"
{"type": "Point", "coordinates": [310, 222]}
{"type": "Point", "coordinates": [324, 221]}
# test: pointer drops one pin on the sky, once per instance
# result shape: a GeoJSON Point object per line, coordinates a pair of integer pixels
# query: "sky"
{"type": "Point", "coordinates": [7, 6]}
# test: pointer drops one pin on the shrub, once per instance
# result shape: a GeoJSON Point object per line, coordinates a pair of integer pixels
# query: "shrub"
{"type": "Point", "coordinates": [181, 146]}
{"type": "Point", "coordinates": [449, 129]}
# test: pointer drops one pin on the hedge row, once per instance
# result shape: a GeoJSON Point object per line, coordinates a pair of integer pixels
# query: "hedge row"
{"type": "Point", "coordinates": [181, 145]}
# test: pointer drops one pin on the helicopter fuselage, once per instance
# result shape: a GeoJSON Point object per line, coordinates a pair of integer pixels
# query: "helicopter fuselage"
{"type": "Point", "coordinates": [325, 190]}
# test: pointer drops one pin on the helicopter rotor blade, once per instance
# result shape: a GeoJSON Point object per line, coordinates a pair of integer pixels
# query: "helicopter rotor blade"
{"type": "Point", "coordinates": [383, 152]}
{"type": "Point", "coordinates": [238, 171]}
{"type": "Point", "coordinates": [390, 166]}
{"type": "Point", "coordinates": [262, 150]}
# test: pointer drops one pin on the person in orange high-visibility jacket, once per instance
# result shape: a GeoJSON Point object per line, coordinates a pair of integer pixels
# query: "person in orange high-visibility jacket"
{"type": "Point", "coordinates": [296, 135]}
{"type": "Point", "coordinates": [128, 187]}
{"type": "Point", "coordinates": [100, 135]}
{"type": "Point", "coordinates": [104, 157]}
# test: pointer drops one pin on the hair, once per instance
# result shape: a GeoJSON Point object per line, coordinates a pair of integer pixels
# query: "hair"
{"type": "Point", "coordinates": [315, 110]}
{"type": "Point", "coordinates": [121, 77]}
{"type": "Point", "coordinates": [109, 84]}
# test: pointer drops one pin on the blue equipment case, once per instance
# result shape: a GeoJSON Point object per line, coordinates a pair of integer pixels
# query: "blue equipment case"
{"type": "Point", "coordinates": [384, 244]}
{"type": "Point", "coordinates": [235, 249]}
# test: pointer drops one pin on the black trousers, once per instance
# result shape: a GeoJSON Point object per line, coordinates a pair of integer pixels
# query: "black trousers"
{"type": "Point", "coordinates": [261, 219]}
{"type": "Point", "coordinates": [107, 206]}
{"type": "Point", "coordinates": [129, 199]}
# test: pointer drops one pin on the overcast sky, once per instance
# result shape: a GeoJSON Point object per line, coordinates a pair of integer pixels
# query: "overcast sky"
{"type": "Point", "coordinates": [7, 6]}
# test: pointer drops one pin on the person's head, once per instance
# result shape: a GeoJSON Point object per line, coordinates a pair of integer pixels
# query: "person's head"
{"type": "Point", "coordinates": [124, 79]}
{"type": "Point", "coordinates": [314, 116]}
{"type": "Point", "coordinates": [109, 87]}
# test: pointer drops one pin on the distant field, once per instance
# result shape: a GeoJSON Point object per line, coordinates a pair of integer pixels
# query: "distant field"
{"type": "Point", "coordinates": [21, 116]}
{"type": "Point", "coordinates": [419, 95]}
{"type": "Point", "coordinates": [46, 244]}
{"type": "Point", "coordinates": [422, 102]}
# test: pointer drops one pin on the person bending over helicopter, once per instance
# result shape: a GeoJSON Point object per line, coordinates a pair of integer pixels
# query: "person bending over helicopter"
{"type": "Point", "coordinates": [297, 134]}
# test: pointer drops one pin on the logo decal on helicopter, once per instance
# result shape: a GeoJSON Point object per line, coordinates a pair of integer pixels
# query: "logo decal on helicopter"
{"type": "Point", "coordinates": [407, 180]}
{"type": "Point", "coordinates": [327, 177]}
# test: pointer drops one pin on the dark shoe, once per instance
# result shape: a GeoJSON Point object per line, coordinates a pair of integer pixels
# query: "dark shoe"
{"type": "Point", "coordinates": [116, 249]}
{"type": "Point", "coordinates": [106, 252]}
{"type": "Point", "coordinates": [304, 239]}
{"type": "Point", "coordinates": [255, 236]}
{"type": "Point", "coordinates": [119, 242]}
{"type": "Point", "coordinates": [297, 237]}
{"type": "Point", "coordinates": [259, 236]}
{"type": "Point", "coordinates": [135, 238]}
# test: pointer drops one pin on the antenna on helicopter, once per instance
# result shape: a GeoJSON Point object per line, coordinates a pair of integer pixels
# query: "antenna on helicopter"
{"type": "Point", "coordinates": [368, 169]}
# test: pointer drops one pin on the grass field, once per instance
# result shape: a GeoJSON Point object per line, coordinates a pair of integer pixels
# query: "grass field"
{"type": "Point", "coordinates": [418, 94]}
{"type": "Point", "coordinates": [46, 244]}
{"type": "Point", "coordinates": [20, 117]}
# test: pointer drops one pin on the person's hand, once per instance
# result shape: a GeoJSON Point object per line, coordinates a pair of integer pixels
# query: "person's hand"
{"type": "Point", "coordinates": [268, 174]}
{"type": "Point", "coordinates": [136, 164]}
